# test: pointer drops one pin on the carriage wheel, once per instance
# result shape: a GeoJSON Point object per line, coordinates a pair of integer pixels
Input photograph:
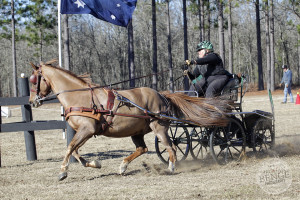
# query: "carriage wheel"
{"type": "Point", "coordinates": [179, 135]}
{"type": "Point", "coordinates": [263, 136]}
{"type": "Point", "coordinates": [199, 137]}
{"type": "Point", "coordinates": [228, 143]}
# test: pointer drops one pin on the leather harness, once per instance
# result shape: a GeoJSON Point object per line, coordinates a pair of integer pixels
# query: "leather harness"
{"type": "Point", "coordinates": [96, 113]}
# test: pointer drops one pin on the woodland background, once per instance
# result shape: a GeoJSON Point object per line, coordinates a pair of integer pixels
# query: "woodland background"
{"type": "Point", "coordinates": [254, 37]}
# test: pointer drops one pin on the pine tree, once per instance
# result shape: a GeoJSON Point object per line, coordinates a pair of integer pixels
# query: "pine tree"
{"type": "Point", "coordinates": [40, 23]}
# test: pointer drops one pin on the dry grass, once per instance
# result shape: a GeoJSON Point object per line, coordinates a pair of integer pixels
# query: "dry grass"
{"type": "Point", "coordinates": [146, 177]}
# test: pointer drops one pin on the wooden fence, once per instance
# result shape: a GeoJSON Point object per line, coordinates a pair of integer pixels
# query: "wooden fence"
{"type": "Point", "coordinates": [28, 125]}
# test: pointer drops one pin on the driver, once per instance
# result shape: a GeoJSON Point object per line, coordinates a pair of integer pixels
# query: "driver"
{"type": "Point", "coordinates": [211, 82]}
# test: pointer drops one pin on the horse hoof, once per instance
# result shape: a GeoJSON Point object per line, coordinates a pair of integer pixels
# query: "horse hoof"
{"type": "Point", "coordinates": [171, 167]}
{"type": "Point", "coordinates": [123, 167]}
{"type": "Point", "coordinates": [62, 176]}
{"type": "Point", "coordinates": [95, 164]}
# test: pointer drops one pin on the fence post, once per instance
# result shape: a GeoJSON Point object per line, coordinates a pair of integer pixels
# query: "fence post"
{"type": "Point", "coordinates": [0, 132]}
{"type": "Point", "coordinates": [27, 117]}
{"type": "Point", "coordinates": [70, 134]}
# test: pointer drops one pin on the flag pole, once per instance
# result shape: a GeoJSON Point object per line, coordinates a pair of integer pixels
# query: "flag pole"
{"type": "Point", "coordinates": [59, 32]}
{"type": "Point", "coordinates": [59, 52]}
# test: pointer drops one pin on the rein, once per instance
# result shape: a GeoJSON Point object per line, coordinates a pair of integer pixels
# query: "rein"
{"type": "Point", "coordinates": [53, 96]}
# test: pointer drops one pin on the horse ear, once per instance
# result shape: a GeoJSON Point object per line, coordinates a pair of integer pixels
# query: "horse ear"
{"type": "Point", "coordinates": [33, 66]}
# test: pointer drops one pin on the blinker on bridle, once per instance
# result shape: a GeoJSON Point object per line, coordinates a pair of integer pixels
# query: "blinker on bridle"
{"type": "Point", "coordinates": [36, 80]}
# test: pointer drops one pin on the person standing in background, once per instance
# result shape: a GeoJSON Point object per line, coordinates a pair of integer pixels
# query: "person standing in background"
{"type": "Point", "coordinates": [287, 81]}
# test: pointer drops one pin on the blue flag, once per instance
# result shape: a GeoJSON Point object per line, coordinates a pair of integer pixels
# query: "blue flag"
{"type": "Point", "coordinates": [118, 12]}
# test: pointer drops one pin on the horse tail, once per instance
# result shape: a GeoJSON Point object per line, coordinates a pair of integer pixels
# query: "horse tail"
{"type": "Point", "coordinates": [202, 111]}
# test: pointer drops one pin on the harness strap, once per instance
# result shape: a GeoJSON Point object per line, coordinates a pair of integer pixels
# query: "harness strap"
{"type": "Point", "coordinates": [92, 113]}
{"type": "Point", "coordinates": [109, 106]}
{"type": "Point", "coordinates": [110, 98]}
{"type": "Point", "coordinates": [86, 112]}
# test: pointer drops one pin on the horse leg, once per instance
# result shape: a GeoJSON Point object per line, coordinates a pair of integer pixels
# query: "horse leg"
{"type": "Point", "coordinates": [85, 163]}
{"type": "Point", "coordinates": [141, 148]}
{"type": "Point", "coordinates": [161, 132]}
{"type": "Point", "coordinates": [81, 136]}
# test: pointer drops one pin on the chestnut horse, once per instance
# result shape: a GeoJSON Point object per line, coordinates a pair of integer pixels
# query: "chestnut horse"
{"type": "Point", "coordinates": [74, 91]}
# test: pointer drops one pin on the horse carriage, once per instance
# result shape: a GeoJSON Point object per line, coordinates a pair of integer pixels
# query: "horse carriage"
{"type": "Point", "coordinates": [181, 123]}
{"type": "Point", "coordinates": [254, 130]}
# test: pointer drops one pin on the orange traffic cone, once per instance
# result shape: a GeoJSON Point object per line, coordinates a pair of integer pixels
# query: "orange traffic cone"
{"type": "Point", "coordinates": [297, 99]}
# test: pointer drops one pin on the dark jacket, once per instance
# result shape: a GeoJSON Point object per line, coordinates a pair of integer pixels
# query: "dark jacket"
{"type": "Point", "coordinates": [214, 66]}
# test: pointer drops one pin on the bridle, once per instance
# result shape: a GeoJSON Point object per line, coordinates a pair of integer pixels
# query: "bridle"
{"type": "Point", "coordinates": [36, 80]}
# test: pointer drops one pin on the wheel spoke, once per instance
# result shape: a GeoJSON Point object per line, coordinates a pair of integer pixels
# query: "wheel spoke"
{"type": "Point", "coordinates": [183, 140]}
{"type": "Point", "coordinates": [180, 149]}
{"type": "Point", "coordinates": [174, 135]}
{"type": "Point", "coordinates": [200, 150]}
{"type": "Point", "coordinates": [163, 151]}
{"type": "Point", "coordinates": [220, 152]}
{"type": "Point", "coordinates": [182, 134]}
{"type": "Point", "coordinates": [196, 146]}
{"type": "Point", "coordinates": [236, 149]}
{"type": "Point", "coordinates": [171, 131]}
{"type": "Point", "coordinates": [230, 153]}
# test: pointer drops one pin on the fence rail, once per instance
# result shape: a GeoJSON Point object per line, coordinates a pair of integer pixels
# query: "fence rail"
{"type": "Point", "coordinates": [28, 125]}
{"type": "Point", "coordinates": [33, 125]}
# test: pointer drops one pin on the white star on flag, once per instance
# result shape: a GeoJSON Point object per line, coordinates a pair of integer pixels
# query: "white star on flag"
{"type": "Point", "coordinates": [118, 5]}
{"type": "Point", "coordinates": [113, 17]}
{"type": "Point", "coordinates": [80, 3]}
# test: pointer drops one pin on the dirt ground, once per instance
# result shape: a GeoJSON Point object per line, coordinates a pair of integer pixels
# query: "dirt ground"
{"type": "Point", "coordinates": [146, 177]}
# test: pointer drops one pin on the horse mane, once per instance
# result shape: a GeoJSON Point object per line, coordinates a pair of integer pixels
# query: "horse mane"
{"type": "Point", "coordinates": [86, 78]}
{"type": "Point", "coordinates": [202, 111]}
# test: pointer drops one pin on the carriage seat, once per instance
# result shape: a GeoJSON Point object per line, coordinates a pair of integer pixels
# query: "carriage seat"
{"type": "Point", "coordinates": [231, 88]}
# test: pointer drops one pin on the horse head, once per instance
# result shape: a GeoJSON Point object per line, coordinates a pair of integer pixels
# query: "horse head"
{"type": "Point", "coordinates": [40, 87]}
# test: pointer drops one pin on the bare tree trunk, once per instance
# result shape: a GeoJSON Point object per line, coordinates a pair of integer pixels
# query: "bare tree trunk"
{"type": "Point", "coordinates": [201, 19]}
{"type": "Point", "coordinates": [252, 66]}
{"type": "Point", "coordinates": [41, 45]}
{"type": "Point", "coordinates": [208, 19]}
{"type": "Point", "coordinates": [131, 66]}
{"type": "Point", "coordinates": [171, 80]}
{"type": "Point", "coordinates": [230, 61]}
{"type": "Point", "coordinates": [154, 53]}
{"type": "Point", "coordinates": [259, 52]}
{"type": "Point", "coordinates": [66, 43]}
{"type": "Point", "coordinates": [286, 52]}
{"type": "Point", "coordinates": [272, 44]}
{"type": "Point", "coordinates": [298, 60]}
{"type": "Point", "coordinates": [0, 90]}
{"type": "Point", "coordinates": [185, 40]}
{"type": "Point", "coordinates": [221, 30]}
{"type": "Point", "coordinates": [268, 74]}
{"type": "Point", "coordinates": [13, 47]}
